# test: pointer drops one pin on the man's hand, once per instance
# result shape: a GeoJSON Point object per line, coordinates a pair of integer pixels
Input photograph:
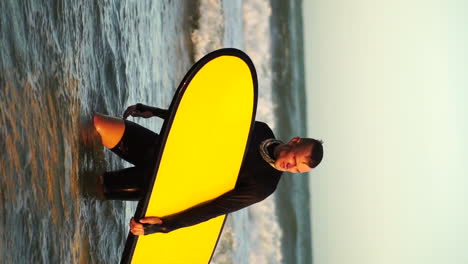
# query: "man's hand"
{"type": "Point", "coordinates": [132, 111]}
{"type": "Point", "coordinates": [138, 229]}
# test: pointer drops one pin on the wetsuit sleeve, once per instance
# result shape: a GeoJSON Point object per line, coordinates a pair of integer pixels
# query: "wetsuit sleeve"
{"type": "Point", "coordinates": [226, 203]}
{"type": "Point", "coordinates": [161, 113]}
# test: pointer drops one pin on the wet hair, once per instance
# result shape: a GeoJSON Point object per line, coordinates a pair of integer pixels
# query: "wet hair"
{"type": "Point", "coordinates": [316, 153]}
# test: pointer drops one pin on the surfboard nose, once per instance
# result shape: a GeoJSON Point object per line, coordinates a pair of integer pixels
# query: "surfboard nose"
{"type": "Point", "coordinates": [111, 129]}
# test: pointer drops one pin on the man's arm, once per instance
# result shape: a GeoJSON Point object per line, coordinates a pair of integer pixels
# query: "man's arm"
{"type": "Point", "coordinates": [229, 202]}
{"type": "Point", "coordinates": [141, 110]}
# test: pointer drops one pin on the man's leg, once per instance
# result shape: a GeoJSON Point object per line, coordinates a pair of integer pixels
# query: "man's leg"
{"type": "Point", "coordinates": [127, 184]}
{"type": "Point", "coordinates": [136, 145]}
{"type": "Point", "coordinates": [130, 141]}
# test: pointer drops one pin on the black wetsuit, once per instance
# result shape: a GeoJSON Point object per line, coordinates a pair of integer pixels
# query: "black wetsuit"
{"type": "Point", "coordinates": [257, 180]}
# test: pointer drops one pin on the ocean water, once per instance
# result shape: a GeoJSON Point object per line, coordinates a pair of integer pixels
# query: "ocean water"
{"type": "Point", "coordinates": [61, 61]}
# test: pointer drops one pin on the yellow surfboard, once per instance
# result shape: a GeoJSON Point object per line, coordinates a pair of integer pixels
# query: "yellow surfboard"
{"type": "Point", "coordinates": [202, 148]}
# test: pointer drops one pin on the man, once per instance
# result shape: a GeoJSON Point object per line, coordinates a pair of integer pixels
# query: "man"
{"type": "Point", "coordinates": [266, 159]}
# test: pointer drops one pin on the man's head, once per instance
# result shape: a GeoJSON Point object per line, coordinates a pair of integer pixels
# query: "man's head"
{"type": "Point", "coordinates": [299, 155]}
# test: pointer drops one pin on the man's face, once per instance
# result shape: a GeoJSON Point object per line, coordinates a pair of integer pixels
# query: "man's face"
{"type": "Point", "coordinates": [294, 157]}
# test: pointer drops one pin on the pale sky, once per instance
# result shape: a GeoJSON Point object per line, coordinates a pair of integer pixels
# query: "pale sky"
{"type": "Point", "coordinates": [387, 85]}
